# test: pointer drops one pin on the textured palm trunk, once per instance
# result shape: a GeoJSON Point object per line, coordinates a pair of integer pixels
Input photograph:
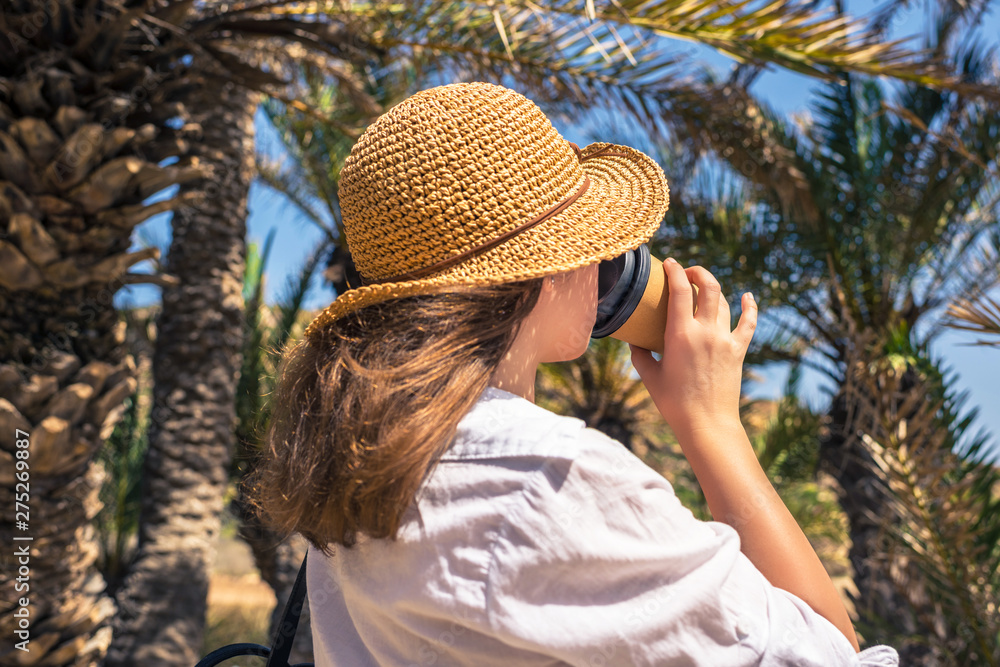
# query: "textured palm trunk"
{"type": "Point", "coordinates": [195, 369]}
{"type": "Point", "coordinates": [880, 604]}
{"type": "Point", "coordinates": [78, 160]}
{"type": "Point", "coordinates": [65, 395]}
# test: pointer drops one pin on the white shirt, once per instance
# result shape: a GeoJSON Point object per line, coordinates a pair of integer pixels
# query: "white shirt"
{"type": "Point", "coordinates": [538, 541]}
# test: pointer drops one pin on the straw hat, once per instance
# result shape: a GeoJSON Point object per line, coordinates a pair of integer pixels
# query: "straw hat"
{"type": "Point", "coordinates": [469, 184]}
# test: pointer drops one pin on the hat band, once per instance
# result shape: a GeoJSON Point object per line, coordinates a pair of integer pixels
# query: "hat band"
{"type": "Point", "coordinates": [492, 243]}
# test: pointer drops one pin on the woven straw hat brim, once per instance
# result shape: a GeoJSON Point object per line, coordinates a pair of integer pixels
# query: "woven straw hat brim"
{"type": "Point", "coordinates": [620, 210]}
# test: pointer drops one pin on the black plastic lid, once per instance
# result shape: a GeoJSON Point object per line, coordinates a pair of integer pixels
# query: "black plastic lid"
{"type": "Point", "coordinates": [621, 283]}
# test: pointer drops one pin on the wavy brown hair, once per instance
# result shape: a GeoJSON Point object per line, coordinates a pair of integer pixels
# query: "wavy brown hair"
{"type": "Point", "coordinates": [363, 410]}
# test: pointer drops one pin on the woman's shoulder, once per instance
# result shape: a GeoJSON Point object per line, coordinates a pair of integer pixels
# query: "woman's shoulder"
{"type": "Point", "coordinates": [505, 436]}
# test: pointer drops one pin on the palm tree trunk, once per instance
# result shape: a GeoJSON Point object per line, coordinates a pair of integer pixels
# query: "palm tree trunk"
{"type": "Point", "coordinates": [78, 158]}
{"type": "Point", "coordinates": [195, 370]}
{"type": "Point", "coordinates": [62, 383]}
{"type": "Point", "coordinates": [883, 610]}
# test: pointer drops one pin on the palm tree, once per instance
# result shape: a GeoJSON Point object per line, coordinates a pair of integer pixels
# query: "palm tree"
{"type": "Point", "coordinates": [195, 368]}
{"type": "Point", "coordinates": [103, 105]}
{"type": "Point", "coordinates": [228, 54]}
{"type": "Point", "coordinates": [870, 217]}
{"type": "Point", "coordinates": [982, 317]}
{"type": "Point", "coordinates": [82, 152]}
{"type": "Point", "coordinates": [940, 533]}
{"type": "Point", "coordinates": [93, 123]}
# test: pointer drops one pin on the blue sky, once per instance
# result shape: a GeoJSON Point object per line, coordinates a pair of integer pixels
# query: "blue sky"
{"type": "Point", "coordinates": [787, 92]}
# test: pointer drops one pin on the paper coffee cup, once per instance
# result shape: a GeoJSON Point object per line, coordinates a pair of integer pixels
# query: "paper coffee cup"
{"type": "Point", "coordinates": [648, 321]}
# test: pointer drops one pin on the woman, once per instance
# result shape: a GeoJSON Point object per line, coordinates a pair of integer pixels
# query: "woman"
{"type": "Point", "coordinates": [451, 520]}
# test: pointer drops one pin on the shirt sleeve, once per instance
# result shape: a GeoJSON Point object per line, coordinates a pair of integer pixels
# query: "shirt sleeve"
{"type": "Point", "coordinates": [600, 564]}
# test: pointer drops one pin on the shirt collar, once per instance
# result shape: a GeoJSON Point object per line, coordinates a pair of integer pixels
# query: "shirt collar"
{"type": "Point", "coordinates": [502, 424]}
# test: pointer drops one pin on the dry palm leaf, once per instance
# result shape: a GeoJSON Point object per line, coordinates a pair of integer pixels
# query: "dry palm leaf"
{"type": "Point", "coordinates": [981, 316]}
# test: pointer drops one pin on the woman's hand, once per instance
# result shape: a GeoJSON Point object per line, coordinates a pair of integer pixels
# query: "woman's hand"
{"type": "Point", "coordinates": [696, 387]}
{"type": "Point", "coordinates": [696, 384]}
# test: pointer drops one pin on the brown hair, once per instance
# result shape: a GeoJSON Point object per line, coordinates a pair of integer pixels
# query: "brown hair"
{"type": "Point", "coordinates": [363, 409]}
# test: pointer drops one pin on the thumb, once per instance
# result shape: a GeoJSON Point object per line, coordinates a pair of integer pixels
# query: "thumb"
{"type": "Point", "coordinates": [748, 321]}
{"type": "Point", "coordinates": [642, 359]}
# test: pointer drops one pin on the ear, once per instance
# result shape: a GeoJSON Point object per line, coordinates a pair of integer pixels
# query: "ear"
{"type": "Point", "coordinates": [546, 292]}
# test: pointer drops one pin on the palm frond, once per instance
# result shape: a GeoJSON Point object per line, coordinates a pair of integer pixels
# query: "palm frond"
{"type": "Point", "coordinates": [568, 59]}
{"type": "Point", "coordinates": [789, 446]}
{"type": "Point", "coordinates": [788, 33]}
{"type": "Point", "coordinates": [268, 330]}
{"type": "Point", "coordinates": [981, 317]}
{"type": "Point", "coordinates": [963, 267]}
{"type": "Point", "coordinates": [941, 519]}
{"type": "Point", "coordinates": [289, 183]}
{"type": "Point", "coordinates": [289, 305]}
{"type": "Point", "coordinates": [249, 389]}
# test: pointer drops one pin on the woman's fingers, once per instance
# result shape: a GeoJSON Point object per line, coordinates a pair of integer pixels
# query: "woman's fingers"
{"type": "Point", "coordinates": [697, 283]}
{"type": "Point", "coordinates": [681, 301]}
{"type": "Point", "coordinates": [748, 321]}
{"type": "Point", "coordinates": [725, 314]}
{"type": "Point", "coordinates": [709, 293]}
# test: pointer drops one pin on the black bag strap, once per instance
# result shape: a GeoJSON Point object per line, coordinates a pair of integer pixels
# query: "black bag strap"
{"type": "Point", "coordinates": [281, 645]}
